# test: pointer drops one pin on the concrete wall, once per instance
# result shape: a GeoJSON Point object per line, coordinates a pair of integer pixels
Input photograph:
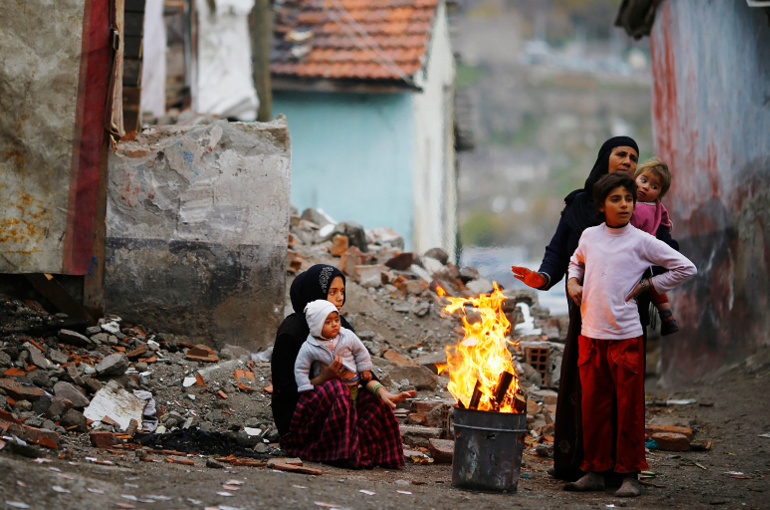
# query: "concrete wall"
{"type": "Point", "coordinates": [352, 155]}
{"type": "Point", "coordinates": [40, 52]}
{"type": "Point", "coordinates": [435, 179]}
{"type": "Point", "coordinates": [711, 117]}
{"type": "Point", "coordinates": [197, 230]}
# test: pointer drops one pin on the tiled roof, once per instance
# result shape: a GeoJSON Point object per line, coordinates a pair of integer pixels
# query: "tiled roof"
{"type": "Point", "coordinates": [351, 39]}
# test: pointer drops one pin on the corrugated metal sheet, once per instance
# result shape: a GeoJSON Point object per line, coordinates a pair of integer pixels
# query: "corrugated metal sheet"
{"type": "Point", "coordinates": [711, 118]}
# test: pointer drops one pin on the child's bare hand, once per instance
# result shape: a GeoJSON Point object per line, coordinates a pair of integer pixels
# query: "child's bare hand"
{"type": "Point", "coordinates": [366, 376]}
{"type": "Point", "coordinates": [529, 277]}
{"type": "Point", "coordinates": [575, 290]}
{"type": "Point", "coordinates": [640, 287]}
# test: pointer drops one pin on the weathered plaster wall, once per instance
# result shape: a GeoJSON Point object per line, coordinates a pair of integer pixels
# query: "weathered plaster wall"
{"type": "Point", "coordinates": [352, 156]}
{"type": "Point", "coordinates": [435, 180]}
{"type": "Point", "coordinates": [197, 230]}
{"type": "Point", "coordinates": [40, 52]}
{"type": "Point", "coordinates": [711, 118]}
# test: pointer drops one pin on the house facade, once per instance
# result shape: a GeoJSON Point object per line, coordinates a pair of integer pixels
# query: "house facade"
{"type": "Point", "coordinates": [368, 91]}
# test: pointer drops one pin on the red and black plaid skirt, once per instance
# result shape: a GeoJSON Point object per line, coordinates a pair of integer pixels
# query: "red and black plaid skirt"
{"type": "Point", "coordinates": [328, 426]}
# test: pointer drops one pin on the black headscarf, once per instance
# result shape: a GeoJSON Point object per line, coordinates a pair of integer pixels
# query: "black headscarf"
{"type": "Point", "coordinates": [313, 284]}
{"type": "Point", "coordinates": [580, 213]}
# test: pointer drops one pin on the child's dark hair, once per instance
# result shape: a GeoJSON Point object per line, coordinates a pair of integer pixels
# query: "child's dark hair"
{"type": "Point", "coordinates": [659, 169]}
{"type": "Point", "coordinates": [609, 182]}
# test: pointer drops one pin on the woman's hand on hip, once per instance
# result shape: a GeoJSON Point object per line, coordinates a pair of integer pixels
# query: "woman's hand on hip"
{"type": "Point", "coordinates": [529, 277]}
{"type": "Point", "coordinates": [575, 290]}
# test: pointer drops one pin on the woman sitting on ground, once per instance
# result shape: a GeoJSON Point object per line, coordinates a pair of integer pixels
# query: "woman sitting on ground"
{"type": "Point", "coordinates": [319, 425]}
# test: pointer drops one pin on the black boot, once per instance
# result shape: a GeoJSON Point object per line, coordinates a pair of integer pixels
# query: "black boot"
{"type": "Point", "coordinates": [667, 323]}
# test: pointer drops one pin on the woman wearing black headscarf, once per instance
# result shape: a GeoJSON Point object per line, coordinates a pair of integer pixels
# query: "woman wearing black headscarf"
{"type": "Point", "coordinates": [619, 153]}
{"type": "Point", "coordinates": [325, 425]}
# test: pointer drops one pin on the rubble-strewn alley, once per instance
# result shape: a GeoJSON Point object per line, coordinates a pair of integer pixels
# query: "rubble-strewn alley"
{"type": "Point", "coordinates": [118, 415]}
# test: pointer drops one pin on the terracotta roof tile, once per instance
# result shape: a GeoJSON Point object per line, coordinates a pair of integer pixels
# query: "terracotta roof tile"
{"type": "Point", "coordinates": [398, 29]}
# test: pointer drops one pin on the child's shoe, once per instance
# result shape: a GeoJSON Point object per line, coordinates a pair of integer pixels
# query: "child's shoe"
{"type": "Point", "coordinates": [668, 323]}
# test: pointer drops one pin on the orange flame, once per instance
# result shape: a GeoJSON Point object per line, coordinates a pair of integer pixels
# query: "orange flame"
{"type": "Point", "coordinates": [483, 355]}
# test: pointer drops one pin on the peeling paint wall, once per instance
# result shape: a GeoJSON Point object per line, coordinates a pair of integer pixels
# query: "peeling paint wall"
{"type": "Point", "coordinates": [39, 72]}
{"type": "Point", "coordinates": [197, 231]}
{"type": "Point", "coordinates": [711, 119]}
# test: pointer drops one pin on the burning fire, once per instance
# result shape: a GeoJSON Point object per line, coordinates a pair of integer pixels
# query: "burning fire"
{"type": "Point", "coordinates": [481, 371]}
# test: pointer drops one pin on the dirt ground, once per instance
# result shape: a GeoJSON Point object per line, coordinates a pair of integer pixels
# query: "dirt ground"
{"type": "Point", "coordinates": [731, 411]}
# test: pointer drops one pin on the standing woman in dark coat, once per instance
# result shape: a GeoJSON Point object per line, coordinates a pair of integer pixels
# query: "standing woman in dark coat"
{"type": "Point", "coordinates": [619, 153]}
{"type": "Point", "coordinates": [324, 424]}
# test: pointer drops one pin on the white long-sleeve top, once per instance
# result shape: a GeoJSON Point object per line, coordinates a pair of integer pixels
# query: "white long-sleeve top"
{"type": "Point", "coordinates": [610, 262]}
{"type": "Point", "coordinates": [349, 348]}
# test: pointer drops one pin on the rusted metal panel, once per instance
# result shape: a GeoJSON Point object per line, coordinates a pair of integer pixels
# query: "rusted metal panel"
{"type": "Point", "coordinates": [711, 120]}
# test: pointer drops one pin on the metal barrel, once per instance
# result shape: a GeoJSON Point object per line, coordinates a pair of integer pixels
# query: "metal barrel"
{"type": "Point", "coordinates": [488, 450]}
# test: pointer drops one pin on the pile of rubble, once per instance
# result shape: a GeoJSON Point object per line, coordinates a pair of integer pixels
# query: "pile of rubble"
{"type": "Point", "coordinates": [70, 385]}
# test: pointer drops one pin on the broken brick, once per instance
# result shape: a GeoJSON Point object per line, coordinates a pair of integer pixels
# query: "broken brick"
{"type": "Point", "coordinates": [297, 469]}
{"type": "Point", "coordinates": [442, 450]}
{"type": "Point", "coordinates": [245, 380]}
{"type": "Point", "coordinates": [102, 438]}
{"type": "Point", "coordinates": [201, 353]}
{"type": "Point", "coordinates": [186, 462]}
{"type": "Point", "coordinates": [397, 359]}
{"type": "Point", "coordinates": [654, 429]}
{"type": "Point", "coordinates": [671, 441]}
{"type": "Point", "coordinates": [339, 245]}
{"type": "Point", "coordinates": [18, 391]}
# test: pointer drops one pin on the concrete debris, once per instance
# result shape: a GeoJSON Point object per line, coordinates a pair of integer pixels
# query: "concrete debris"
{"type": "Point", "coordinates": [115, 380]}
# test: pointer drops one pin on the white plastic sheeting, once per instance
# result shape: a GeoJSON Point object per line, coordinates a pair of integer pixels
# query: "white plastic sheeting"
{"type": "Point", "coordinates": [225, 82]}
{"type": "Point", "coordinates": [154, 59]}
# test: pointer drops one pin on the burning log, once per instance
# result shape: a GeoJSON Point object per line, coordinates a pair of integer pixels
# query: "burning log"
{"type": "Point", "coordinates": [503, 383]}
{"type": "Point", "coordinates": [481, 371]}
{"type": "Point", "coordinates": [476, 397]}
{"type": "Point", "coordinates": [520, 402]}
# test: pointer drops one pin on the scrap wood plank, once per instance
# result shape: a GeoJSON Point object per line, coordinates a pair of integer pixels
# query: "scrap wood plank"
{"type": "Point", "coordinates": [48, 286]}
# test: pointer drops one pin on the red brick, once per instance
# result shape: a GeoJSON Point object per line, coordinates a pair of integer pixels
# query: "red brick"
{"type": "Point", "coordinates": [102, 438]}
{"type": "Point", "coordinates": [397, 359]}
{"type": "Point", "coordinates": [442, 450]}
{"type": "Point", "coordinates": [672, 442]}
{"type": "Point", "coordinates": [18, 391]}
{"type": "Point", "coordinates": [339, 245]}
{"type": "Point", "coordinates": [654, 429]}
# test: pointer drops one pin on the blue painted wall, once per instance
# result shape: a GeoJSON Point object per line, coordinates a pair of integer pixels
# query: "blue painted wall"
{"type": "Point", "coordinates": [352, 156]}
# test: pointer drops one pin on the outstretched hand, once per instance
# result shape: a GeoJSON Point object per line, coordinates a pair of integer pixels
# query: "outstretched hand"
{"type": "Point", "coordinates": [529, 277]}
{"type": "Point", "coordinates": [391, 399]}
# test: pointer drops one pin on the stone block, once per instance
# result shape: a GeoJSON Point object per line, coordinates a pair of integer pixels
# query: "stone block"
{"type": "Point", "coordinates": [197, 230]}
{"type": "Point", "coordinates": [67, 391]}
{"type": "Point", "coordinates": [419, 377]}
{"type": "Point", "coordinates": [114, 364]}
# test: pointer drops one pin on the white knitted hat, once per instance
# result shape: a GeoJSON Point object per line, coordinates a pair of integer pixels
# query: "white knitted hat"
{"type": "Point", "coordinates": [316, 313]}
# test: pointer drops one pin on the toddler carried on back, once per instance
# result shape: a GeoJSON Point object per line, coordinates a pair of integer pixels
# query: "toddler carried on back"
{"type": "Point", "coordinates": [653, 180]}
